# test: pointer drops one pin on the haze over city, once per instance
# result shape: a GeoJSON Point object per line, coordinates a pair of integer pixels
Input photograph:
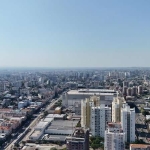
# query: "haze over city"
{"type": "Point", "coordinates": [74, 33]}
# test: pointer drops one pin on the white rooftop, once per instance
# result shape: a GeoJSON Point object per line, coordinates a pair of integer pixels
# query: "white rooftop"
{"type": "Point", "coordinates": [77, 92]}
{"type": "Point", "coordinates": [41, 124]}
{"type": "Point", "coordinates": [55, 116]}
{"type": "Point", "coordinates": [48, 119]}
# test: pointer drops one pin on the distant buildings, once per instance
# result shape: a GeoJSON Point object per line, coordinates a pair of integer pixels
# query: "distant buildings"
{"type": "Point", "coordinates": [2, 86]}
{"type": "Point", "coordinates": [128, 122]}
{"type": "Point", "coordinates": [114, 137]}
{"type": "Point", "coordinates": [79, 140]}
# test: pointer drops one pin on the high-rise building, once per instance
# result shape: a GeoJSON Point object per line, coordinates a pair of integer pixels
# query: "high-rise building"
{"type": "Point", "coordinates": [129, 91]}
{"type": "Point", "coordinates": [2, 86]}
{"type": "Point", "coordinates": [114, 137]}
{"type": "Point", "coordinates": [128, 122]}
{"type": "Point", "coordinates": [140, 89]}
{"type": "Point", "coordinates": [78, 141]}
{"type": "Point", "coordinates": [124, 90]}
{"type": "Point", "coordinates": [100, 117]}
{"type": "Point", "coordinates": [116, 108]}
{"type": "Point", "coordinates": [86, 112]}
{"type": "Point", "coordinates": [125, 83]}
{"type": "Point", "coordinates": [134, 91]}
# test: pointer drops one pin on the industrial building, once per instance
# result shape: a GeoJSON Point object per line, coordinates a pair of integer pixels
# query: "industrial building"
{"type": "Point", "coordinates": [73, 96]}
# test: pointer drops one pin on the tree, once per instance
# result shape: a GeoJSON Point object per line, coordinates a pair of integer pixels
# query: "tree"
{"type": "Point", "coordinates": [78, 124]}
{"type": "Point", "coordinates": [45, 113]}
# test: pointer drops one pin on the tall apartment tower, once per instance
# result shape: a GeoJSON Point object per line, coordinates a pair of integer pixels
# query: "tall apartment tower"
{"type": "Point", "coordinates": [134, 91]}
{"type": "Point", "coordinates": [100, 117]}
{"type": "Point", "coordinates": [114, 137]}
{"type": "Point", "coordinates": [140, 89]}
{"type": "Point", "coordinates": [78, 141]}
{"type": "Point", "coordinates": [128, 122]}
{"type": "Point", "coordinates": [116, 108]}
{"type": "Point", "coordinates": [125, 90]}
{"type": "Point", "coordinates": [125, 83]}
{"type": "Point", "coordinates": [86, 112]}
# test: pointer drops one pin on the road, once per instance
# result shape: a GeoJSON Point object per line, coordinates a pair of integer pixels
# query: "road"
{"type": "Point", "coordinates": [31, 126]}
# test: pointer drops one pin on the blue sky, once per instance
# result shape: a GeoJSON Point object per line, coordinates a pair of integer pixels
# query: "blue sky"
{"type": "Point", "coordinates": [74, 33]}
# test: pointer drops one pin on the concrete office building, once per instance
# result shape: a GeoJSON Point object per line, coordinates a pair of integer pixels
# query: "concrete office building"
{"type": "Point", "coordinates": [114, 137]}
{"type": "Point", "coordinates": [78, 141]}
{"type": "Point", "coordinates": [116, 108]}
{"type": "Point", "coordinates": [100, 117]}
{"type": "Point", "coordinates": [73, 96]}
{"type": "Point", "coordinates": [128, 122]}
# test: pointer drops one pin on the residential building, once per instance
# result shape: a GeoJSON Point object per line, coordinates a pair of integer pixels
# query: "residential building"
{"type": "Point", "coordinates": [128, 122]}
{"type": "Point", "coordinates": [79, 140]}
{"type": "Point", "coordinates": [86, 112]}
{"type": "Point", "coordinates": [100, 117]}
{"type": "Point", "coordinates": [140, 89]}
{"type": "Point", "coordinates": [116, 108]}
{"type": "Point", "coordinates": [2, 86]}
{"type": "Point", "coordinates": [114, 137]}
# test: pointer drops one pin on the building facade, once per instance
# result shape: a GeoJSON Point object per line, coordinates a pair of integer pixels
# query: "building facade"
{"type": "Point", "coordinates": [114, 137]}
{"type": "Point", "coordinates": [116, 108]}
{"type": "Point", "coordinates": [100, 117]}
{"type": "Point", "coordinates": [78, 141]}
{"type": "Point", "coordinates": [128, 122]}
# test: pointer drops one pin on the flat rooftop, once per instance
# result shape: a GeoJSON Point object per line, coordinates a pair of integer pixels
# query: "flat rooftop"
{"type": "Point", "coordinates": [35, 133]}
{"type": "Point", "coordinates": [42, 124]}
{"type": "Point", "coordinates": [76, 92]}
{"type": "Point", "coordinates": [55, 137]}
{"type": "Point", "coordinates": [97, 90]}
{"type": "Point", "coordinates": [63, 124]}
{"type": "Point", "coordinates": [48, 119]}
{"type": "Point", "coordinates": [55, 115]}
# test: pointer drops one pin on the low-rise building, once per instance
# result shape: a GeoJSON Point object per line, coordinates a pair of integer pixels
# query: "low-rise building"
{"type": "Point", "coordinates": [79, 140]}
{"type": "Point", "coordinates": [139, 147]}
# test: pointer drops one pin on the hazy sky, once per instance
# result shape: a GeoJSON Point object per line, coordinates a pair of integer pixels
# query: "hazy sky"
{"type": "Point", "coordinates": [74, 33]}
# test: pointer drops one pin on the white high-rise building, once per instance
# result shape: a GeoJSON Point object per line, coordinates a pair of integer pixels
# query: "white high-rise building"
{"type": "Point", "coordinates": [114, 137]}
{"type": "Point", "coordinates": [128, 122]}
{"type": "Point", "coordinates": [116, 108]}
{"type": "Point", "coordinates": [100, 117]}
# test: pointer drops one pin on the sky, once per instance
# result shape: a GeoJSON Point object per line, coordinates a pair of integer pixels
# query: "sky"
{"type": "Point", "coordinates": [74, 33]}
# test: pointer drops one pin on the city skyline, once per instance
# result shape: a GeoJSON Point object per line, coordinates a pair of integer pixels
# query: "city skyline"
{"type": "Point", "coordinates": [78, 34]}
